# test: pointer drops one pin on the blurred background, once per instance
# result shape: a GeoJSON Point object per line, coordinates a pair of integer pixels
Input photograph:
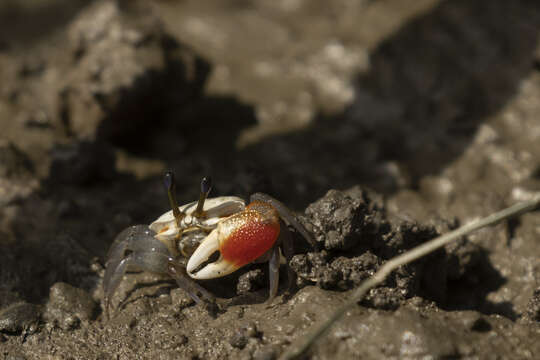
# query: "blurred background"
{"type": "Point", "coordinates": [433, 104]}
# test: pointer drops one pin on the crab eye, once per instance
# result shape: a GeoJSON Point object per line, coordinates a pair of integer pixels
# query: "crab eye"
{"type": "Point", "coordinates": [206, 184]}
{"type": "Point", "coordinates": [168, 179]}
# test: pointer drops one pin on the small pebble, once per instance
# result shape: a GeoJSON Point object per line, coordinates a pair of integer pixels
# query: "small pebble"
{"type": "Point", "coordinates": [241, 337]}
{"type": "Point", "coordinates": [250, 281]}
{"type": "Point", "coordinates": [266, 353]}
{"type": "Point", "coordinates": [68, 306]}
{"type": "Point", "coordinates": [19, 317]}
{"type": "Point", "coordinates": [251, 330]}
{"type": "Point", "coordinates": [238, 340]}
{"type": "Point", "coordinates": [180, 299]}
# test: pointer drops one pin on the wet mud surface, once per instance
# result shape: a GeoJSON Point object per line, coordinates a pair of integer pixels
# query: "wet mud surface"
{"type": "Point", "coordinates": [380, 125]}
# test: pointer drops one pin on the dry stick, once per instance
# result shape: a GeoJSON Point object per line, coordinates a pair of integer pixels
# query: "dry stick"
{"type": "Point", "coordinates": [403, 259]}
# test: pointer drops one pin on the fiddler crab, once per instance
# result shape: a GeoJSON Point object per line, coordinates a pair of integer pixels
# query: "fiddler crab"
{"type": "Point", "coordinates": [205, 239]}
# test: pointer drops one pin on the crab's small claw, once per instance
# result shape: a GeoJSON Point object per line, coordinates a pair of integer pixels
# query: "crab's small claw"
{"type": "Point", "coordinates": [240, 239]}
{"type": "Point", "coordinates": [215, 209]}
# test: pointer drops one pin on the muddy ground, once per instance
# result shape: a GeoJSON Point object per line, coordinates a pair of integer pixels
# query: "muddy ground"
{"type": "Point", "coordinates": [381, 124]}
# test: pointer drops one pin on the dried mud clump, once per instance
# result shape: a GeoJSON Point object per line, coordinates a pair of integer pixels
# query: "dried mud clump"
{"type": "Point", "coordinates": [68, 306]}
{"type": "Point", "coordinates": [16, 173]}
{"type": "Point", "coordinates": [244, 334]}
{"type": "Point", "coordinates": [340, 273]}
{"type": "Point", "coordinates": [341, 221]}
{"type": "Point", "coordinates": [533, 307]}
{"type": "Point", "coordinates": [357, 238]}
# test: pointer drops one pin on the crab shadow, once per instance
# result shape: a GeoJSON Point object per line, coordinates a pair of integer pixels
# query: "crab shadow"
{"type": "Point", "coordinates": [224, 290]}
{"type": "Point", "coordinates": [428, 89]}
{"type": "Point", "coordinates": [470, 291]}
{"type": "Point", "coordinates": [22, 23]}
{"type": "Point", "coordinates": [430, 85]}
{"type": "Point", "coordinates": [130, 296]}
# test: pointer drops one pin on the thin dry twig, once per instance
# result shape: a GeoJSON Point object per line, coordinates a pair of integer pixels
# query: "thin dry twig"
{"type": "Point", "coordinates": [296, 351]}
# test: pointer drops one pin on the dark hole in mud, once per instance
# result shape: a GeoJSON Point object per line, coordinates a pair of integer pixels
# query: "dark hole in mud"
{"type": "Point", "coordinates": [407, 130]}
{"type": "Point", "coordinates": [165, 114]}
{"type": "Point", "coordinates": [536, 172]}
{"type": "Point", "coordinates": [536, 65]}
{"type": "Point", "coordinates": [470, 291]}
{"type": "Point", "coordinates": [142, 116]}
{"type": "Point", "coordinates": [23, 24]}
{"type": "Point", "coordinates": [481, 325]}
{"type": "Point", "coordinates": [511, 227]}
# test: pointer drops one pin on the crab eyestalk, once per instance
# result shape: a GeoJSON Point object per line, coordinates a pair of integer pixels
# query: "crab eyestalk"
{"type": "Point", "coordinates": [206, 187]}
{"type": "Point", "coordinates": [170, 184]}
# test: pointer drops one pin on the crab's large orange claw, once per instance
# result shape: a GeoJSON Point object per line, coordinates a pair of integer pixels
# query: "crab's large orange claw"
{"type": "Point", "coordinates": [240, 239]}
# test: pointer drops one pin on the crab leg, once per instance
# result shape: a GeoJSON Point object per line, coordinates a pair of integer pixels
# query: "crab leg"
{"type": "Point", "coordinates": [121, 256]}
{"type": "Point", "coordinates": [273, 267]}
{"type": "Point", "coordinates": [133, 251]}
{"type": "Point", "coordinates": [197, 292]}
{"type": "Point", "coordinates": [286, 241]}
{"type": "Point", "coordinates": [111, 281]}
{"type": "Point", "coordinates": [136, 247]}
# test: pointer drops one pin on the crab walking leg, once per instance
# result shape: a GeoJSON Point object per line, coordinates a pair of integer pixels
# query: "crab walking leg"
{"type": "Point", "coordinates": [195, 291]}
{"type": "Point", "coordinates": [273, 273]}
{"type": "Point", "coordinates": [137, 248]}
{"type": "Point", "coordinates": [157, 263]}
{"type": "Point", "coordinates": [111, 281]}
{"type": "Point", "coordinates": [150, 261]}
{"type": "Point", "coordinates": [120, 257]}
{"type": "Point", "coordinates": [286, 242]}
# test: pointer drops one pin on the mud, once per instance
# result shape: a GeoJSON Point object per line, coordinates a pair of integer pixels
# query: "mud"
{"type": "Point", "coordinates": [381, 125]}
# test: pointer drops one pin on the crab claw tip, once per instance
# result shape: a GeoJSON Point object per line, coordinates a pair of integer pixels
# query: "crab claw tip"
{"type": "Point", "coordinates": [214, 270]}
{"type": "Point", "coordinates": [219, 268]}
